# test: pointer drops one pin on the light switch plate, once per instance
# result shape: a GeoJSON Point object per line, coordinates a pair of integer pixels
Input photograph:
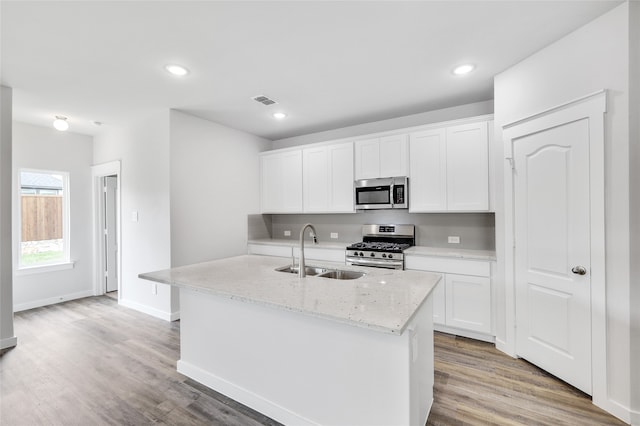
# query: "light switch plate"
{"type": "Point", "coordinates": [287, 233]}
{"type": "Point", "coordinates": [454, 240]}
{"type": "Point", "coordinates": [334, 235]}
{"type": "Point", "coordinates": [134, 216]}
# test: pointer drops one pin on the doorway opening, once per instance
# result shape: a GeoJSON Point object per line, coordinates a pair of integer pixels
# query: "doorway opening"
{"type": "Point", "coordinates": [107, 258]}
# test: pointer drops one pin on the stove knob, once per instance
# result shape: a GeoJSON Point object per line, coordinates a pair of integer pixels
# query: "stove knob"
{"type": "Point", "coordinates": [361, 254]}
{"type": "Point", "coordinates": [372, 255]}
{"type": "Point", "coordinates": [384, 255]}
{"type": "Point", "coordinates": [390, 256]}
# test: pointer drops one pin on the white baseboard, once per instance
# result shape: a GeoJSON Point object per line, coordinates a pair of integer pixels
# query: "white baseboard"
{"type": "Point", "coordinates": [8, 342]}
{"type": "Point", "coordinates": [167, 316]}
{"type": "Point", "coordinates": [464, 333]}
{"type": "Point", "coordinates": [618, 410]}
{"type": "Point", "coordinates": [237, 393]}
{"type": "Point", "coordinates": [52, 300]}
{"type": "Point", "coordinates": [635, 418]}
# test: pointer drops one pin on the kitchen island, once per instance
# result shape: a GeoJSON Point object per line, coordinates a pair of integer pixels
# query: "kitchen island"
{"type": "Point", "coordinates": [308, 350]}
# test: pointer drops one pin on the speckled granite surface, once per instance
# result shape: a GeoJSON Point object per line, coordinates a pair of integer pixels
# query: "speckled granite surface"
{"type": "Point", "coordinates": [383, 300]}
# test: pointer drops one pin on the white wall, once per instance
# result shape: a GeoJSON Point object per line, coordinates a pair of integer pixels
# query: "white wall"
{"type": "Point", "coordinates": [214, 186]}
{"type": "Point", "coordinates": [594, 57]}
{"type": "Point", "coordinates": [143, 149]}
{"type": "Point", "coordinates": [445, 114]}
{"type": "Point", "coordinates": [7, 336]}
{"type": "Point", "coordinates": [634, 168]}
{"type": "Point", "coordinates": [45, 148]}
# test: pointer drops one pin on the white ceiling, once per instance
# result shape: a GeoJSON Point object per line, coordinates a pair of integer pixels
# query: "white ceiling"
{"type": "Point", "coordinates": [327, 64]}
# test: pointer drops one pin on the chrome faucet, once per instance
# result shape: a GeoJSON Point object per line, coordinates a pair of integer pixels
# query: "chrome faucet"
{"type": "Point", "coordinates": [302, 273]}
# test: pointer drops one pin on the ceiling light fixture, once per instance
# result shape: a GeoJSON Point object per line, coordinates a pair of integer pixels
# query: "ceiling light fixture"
{"type": "Point", "coordinates": [279, 115]}
{"type": "Point", "coordinates": [464, 69]}
{"type": "Point", "coordinates": [177, 70]}
{"type": "Point", "coordinates": [60, 123]}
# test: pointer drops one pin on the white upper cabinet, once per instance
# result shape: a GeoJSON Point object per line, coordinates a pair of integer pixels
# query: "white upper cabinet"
{"type": "Point", "coordinates": [281, 190]}
{"type": "Point", "coordinates": [328, 178]}
{"type": "Point", "coordinates": [386, 156]}
{"type": "Point", "coordinates": [468, 167]}
{"type": "Point", "coordinates": [428, 165]}
{"type": "Point", "coordinates": [450, 169]}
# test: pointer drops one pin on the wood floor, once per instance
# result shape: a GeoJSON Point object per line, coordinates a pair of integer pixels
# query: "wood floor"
{"type": "Point", "coordinates": [92, 362]}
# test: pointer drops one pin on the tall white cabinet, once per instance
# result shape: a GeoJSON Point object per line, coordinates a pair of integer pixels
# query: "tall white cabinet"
{"type": "Point", "coordinates": [281, 183]}
{"type": "Point", "coordinates": [327, 177]}
{"type": "Point", "coordinates": [449, 168]}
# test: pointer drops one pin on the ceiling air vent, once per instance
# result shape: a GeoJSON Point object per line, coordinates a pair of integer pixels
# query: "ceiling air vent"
{"type": "Point", "coordinates": [264, 100]}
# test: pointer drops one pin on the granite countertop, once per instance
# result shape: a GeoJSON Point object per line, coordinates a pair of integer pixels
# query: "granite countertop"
{"type": "Point", "coordinates": [383, 300]}
{"type": "Point", "coordinates": [415, 250]}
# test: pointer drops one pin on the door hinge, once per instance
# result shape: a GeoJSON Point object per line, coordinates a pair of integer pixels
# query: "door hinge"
{"type": "Point", "coordinates": [104, 189]}
{"type": "Point", "coordinates": [106, 274]}
{"type": "Point", "coordinates": [511, 162]}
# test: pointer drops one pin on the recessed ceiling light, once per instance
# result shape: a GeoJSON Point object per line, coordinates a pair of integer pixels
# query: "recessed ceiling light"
{"type": "Point", "coordinates": [464, 69]}
{"type": "Point", "coordinates": [178, 70]}
{"type": "Point", "coordinates": [279, 115]}
{"type": "Point", "coordinates": [60, 123]}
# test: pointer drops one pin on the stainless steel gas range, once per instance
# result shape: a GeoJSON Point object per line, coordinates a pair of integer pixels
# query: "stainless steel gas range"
{"type": "Point", "coordinates": [382, 246]}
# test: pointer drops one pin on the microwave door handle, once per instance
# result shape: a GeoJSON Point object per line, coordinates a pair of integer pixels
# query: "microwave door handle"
{"type": "Point", "coordinates": [392, 194]}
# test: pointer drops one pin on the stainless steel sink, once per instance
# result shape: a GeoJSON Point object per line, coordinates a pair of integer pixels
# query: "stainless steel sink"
{"type": "Point", "coordinates": [310, 270]}
{"type": "Point", "coordinates": [339, 274]}
{"type": "Point", "coordinates": [336, 274]}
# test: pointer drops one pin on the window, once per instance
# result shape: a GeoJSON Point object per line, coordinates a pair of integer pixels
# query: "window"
{"type": "Point", "coordinates": [44, 218]}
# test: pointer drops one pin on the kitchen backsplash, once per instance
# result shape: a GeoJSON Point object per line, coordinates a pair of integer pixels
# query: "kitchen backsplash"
{"type": "Point", "coordinates": [476, 230]}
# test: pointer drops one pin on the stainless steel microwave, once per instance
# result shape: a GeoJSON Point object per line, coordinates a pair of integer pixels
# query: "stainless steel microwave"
{"type": "Point", "coordinates": [382, 193]}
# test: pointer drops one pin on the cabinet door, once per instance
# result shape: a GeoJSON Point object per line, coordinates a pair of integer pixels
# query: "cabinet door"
{"type": "Point", "coordinates": [468, 302]}
{"type": "Point", "coordinates": [468, 167]}
{"type": "Point", "coordinates": [439, 306]}
{"type": "Point", "coordinates": [367, 158]}
{"type": "Point", "coordinates": [281, 190]}
{"type": "Point", "coordinates": [341, 177]}
{"type": "Point", "coordinates": [292, 182]}
{"type": "Point", "coordinates": [270, 171]}
{"type": "Point", "coordinates": [315, 169]}
{"type": "Point", "coordinates": [428, 171]}
{"type": "Point", "coordinates": [393, 156]}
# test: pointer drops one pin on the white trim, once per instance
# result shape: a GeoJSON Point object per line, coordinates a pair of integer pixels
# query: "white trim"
{"type": "Point", "coordinates": [97, 173]}
{"type": "Point", "coordinates": [592, 107]}
{"type": "Point", "coordinates": [401, 130]}
{"type": "Point", "coordinates": [40, 269]}
{"type": "Point", "coordinates": [8, 342]}
{"type": "Point", "coordinates": [167, 316]}
{"type": "Point", "coordinates": [464, 333]}
{"type": "Point", "coordinates": [250, 399]}
{"type": "Point", "coordinates": [52, 300]}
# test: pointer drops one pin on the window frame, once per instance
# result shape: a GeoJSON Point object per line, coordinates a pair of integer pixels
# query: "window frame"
{"type": "Point", "coordinates": [65, 262]}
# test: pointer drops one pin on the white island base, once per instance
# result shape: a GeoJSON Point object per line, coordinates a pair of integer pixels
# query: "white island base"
{"type": "Point", "coordinates": [304, 370]}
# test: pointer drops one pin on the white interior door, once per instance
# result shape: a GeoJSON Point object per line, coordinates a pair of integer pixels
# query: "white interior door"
{"type": "Point", "coordinates": [552, 250]}
{"type": "Point", "coordinates": [110, 233]}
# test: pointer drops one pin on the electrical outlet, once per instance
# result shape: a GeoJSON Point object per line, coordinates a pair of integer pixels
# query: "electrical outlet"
{"type": "Point", "coordinates": [134, 216]}
{"type": "Point", "coordinates": [287, 233]}
{"type": "Point", "coordinates": [454, 240]}
{"type": "Point", "coordinates": [334, 235]}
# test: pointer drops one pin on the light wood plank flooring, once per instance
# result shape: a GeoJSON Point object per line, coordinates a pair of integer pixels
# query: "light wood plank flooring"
{"type": "Point", "coordinates": [92, 362]}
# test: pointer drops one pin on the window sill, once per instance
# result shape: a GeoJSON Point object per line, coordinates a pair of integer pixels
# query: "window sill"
{"type": "Point", "coordinates": [40, 269]}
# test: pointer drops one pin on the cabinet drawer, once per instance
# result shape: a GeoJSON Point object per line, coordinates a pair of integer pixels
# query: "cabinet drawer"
{"type": "Point", "coordinates": [266, 250]}
{"type": "Point", "coordinates": [480, 268]}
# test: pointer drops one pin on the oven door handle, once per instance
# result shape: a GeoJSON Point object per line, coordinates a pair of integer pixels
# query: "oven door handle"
{"type": "Point", "coordinates": [393, 264]}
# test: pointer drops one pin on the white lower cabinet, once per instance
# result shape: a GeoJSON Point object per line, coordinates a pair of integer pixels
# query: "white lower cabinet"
{"type": "Point", "coordinates": [462, 301]}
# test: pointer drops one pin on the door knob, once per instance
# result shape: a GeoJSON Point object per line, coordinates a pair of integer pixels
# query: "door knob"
{"type": "Point", "coordinates": [579, 270]}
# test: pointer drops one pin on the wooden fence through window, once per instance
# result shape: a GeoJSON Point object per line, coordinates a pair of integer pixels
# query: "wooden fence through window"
{"type": "Point", "coordinates": [41, 217]}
